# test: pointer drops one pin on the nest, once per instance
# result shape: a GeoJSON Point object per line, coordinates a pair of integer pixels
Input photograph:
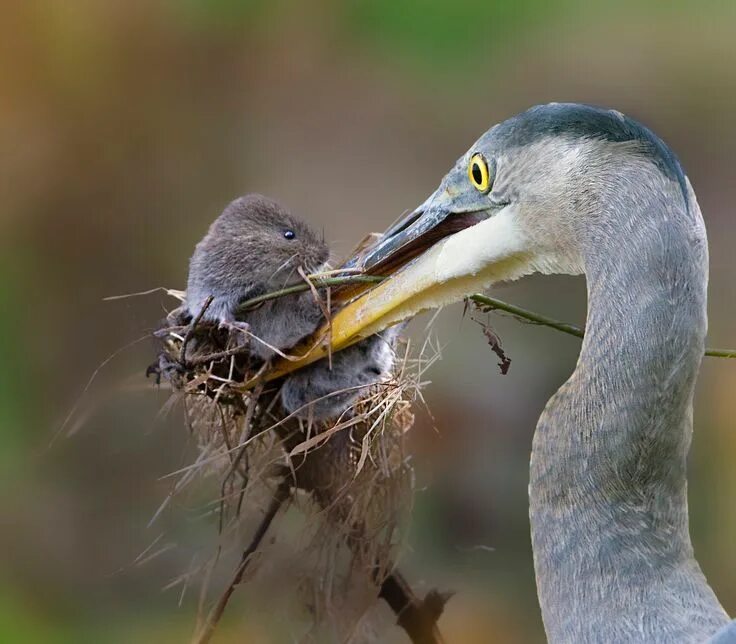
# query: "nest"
{"type": "Point", "coordinates": [349, 475]}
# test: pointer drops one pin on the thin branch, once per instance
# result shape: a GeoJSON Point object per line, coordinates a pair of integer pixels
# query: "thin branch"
{"type": "Point", "coordinates": [418, 617]}
{"type": "Point", "coordinates": [217, 356]}
{"type": "Point", "coordinates": [279, 497]}
{"type": "Point", "coordinates": [493, 304]}
{"type": "Point", "coordinates": [484, 300]}
{"type": "Point", "coordinates": [318, 283]}
{"type": "Point", "coordinates": [324, 307]}
{"type": "Point", "coordinates": [193, 328]}
{"type": "Point", "coordinates": [720, 353]}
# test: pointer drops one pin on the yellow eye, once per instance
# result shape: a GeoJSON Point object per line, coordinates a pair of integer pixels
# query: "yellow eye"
{"type": "Point", "coordinates": [479, 173]}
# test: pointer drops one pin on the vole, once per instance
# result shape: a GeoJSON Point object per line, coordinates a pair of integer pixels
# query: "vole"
{"type": "Point", "coordinates": [254, 247]}
{"type": "Point", "coordinates": [318, 392]}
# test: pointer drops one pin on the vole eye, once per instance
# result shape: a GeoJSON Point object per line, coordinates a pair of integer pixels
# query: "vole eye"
{"type": "Point", "coordinates": [479, 173]}
{"type": "Point", "coordinates": [289, 234]}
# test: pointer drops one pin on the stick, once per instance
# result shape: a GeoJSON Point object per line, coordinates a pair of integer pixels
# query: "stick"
{"type": "Point", "coordinates": [317, 282]}
{"type": "Point", "coordinates": [192, 328]}
{"type": "Point", "coordinates": [493, 304]}
{"type": "Point", "coordinates": [279, 497]}
{"type": "Point", "coordinates": [417, 617]}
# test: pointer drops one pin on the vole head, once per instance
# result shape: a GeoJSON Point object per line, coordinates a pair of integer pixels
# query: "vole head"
{"type": "Point", "coordinates": [266, 243]}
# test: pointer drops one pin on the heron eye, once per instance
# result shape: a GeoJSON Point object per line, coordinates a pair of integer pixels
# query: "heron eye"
{"type": "Point", "coordinates": [289, 234]}
{"type": "Point", "coordinates": [479, 173]}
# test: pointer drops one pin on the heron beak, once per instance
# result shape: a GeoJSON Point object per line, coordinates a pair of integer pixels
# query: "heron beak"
{"type": "Point", "coordinates": [453, 255]}
{"type": "Point", "coordinates": [449, 247]}
{"type": "Point", "coordinates": [417, 231]}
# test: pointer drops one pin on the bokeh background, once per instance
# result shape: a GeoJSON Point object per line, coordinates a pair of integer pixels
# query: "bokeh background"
{"type": "Point", "coordinates": [124, 129]}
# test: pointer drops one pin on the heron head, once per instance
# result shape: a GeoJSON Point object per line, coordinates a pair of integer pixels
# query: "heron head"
{"type": "Point", "coordinates": [513, 198]}
{"type": "Point", "coordinates": [526, 197]}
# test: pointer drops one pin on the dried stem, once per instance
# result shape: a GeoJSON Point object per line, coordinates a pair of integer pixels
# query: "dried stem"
{"type": "Point", "coordinates": [193, 328]}
{"type": "Point", "coordinates": [316, 282]}
{"type": "Point", "coordinates": [279, 497]}
{"type": "Point", "coordinates": [492, 304]}
{"type": "Point", "coordinates": [418, 617]}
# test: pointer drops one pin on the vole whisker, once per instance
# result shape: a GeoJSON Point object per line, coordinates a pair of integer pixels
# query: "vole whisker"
{"type": "Point", "coordinates": [287, 278]}
{"type": "Point", "coordinates": [282, 266]}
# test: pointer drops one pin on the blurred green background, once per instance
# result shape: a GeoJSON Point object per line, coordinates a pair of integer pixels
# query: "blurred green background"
{"type": "Point", "coordinates": [124, 129]}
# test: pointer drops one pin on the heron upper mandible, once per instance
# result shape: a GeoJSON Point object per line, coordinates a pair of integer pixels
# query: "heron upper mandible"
{"type": "Point", "coordinates": [566, 188]}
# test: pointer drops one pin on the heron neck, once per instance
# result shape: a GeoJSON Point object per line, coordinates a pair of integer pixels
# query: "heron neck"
{"type": "Point", "coordinates": [608, 490]}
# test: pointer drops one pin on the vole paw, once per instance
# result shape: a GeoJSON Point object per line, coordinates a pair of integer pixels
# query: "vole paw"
{"type": "Point", "coordinates": [165, 367]}
{"type": "Point", "coordinates": [234, 325]}
{"type": "Point", "coordinates": [238, 332]}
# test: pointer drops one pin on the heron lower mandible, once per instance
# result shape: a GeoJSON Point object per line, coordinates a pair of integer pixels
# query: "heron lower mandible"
{"type": "Point", "coordinates": [566, 188]}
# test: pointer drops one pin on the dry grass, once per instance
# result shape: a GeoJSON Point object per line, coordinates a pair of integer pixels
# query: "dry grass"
{"type": "Point", "coordinates": [350, 476]}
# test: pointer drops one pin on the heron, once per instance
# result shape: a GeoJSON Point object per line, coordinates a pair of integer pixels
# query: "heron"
{"type": "Point", "coordinates": [576, 189]}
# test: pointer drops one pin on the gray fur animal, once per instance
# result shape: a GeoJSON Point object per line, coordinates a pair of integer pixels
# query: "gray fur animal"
{"type": "Point", "coordinates": [253, 247]}
{"type": "Point", "coordinates": [318, 392]}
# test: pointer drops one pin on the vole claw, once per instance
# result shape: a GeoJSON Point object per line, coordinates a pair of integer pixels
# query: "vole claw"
{"type": "Point", "coordinates": [154, 370]}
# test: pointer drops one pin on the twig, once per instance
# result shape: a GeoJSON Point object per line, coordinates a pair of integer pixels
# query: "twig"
{"type": "Point", "coordinates": [217, 356]}
{"type": "Point", "coordinates": [324, 307]}
{"type": "Point", "coordinates": [491, 302]}
{"type": "Point", "coordinates": [721, 353]}
{"type": "Point", "coordinates": [418, 617]}
{"type": "Point", "coordinates": [192, 329]}
{"type": "Point", "coordinates": [279, 497]}
{"type": "Point", "coordinates": [242, 453]}
{"type": "Point", "coordinates": [318, 283]}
